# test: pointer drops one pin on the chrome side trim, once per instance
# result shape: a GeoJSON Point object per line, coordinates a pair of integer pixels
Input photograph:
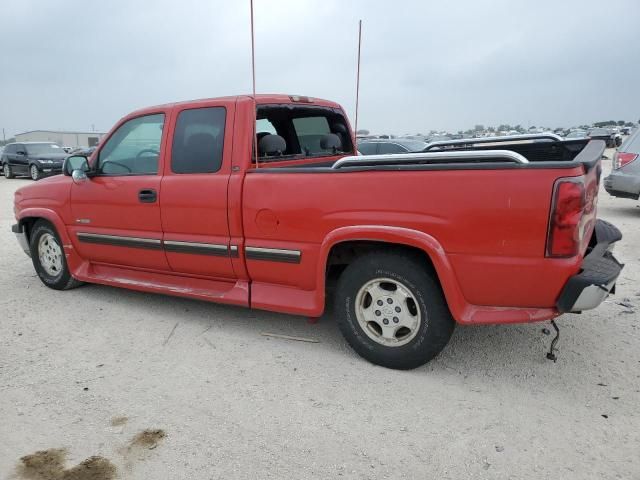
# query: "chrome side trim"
{"type": "Point", "coordinates": [214, 249]}
{"type": "Point", "coordinates": [273, 254]}
{"type": "Point", "coordinates": [120, 241]}
{"type": "Point", "coordinates": [233, 251]}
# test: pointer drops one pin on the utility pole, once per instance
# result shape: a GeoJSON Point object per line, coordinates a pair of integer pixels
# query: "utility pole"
{"type": "Point", "coordinates": [4, 137]}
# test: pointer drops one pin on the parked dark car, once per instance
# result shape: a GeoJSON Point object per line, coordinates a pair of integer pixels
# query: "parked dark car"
{"type": "Point", "coordinates": [624, 180]}
{"type": "Point", "coordinates": [380, 146]}
{"type": "Point", "coordinates": [35, 159]}
{"type": "Point", "coordinates": [611, 138]}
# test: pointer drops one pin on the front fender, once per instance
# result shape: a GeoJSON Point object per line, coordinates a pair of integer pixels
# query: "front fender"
{"type": "Point", "coordinates": [73, 259]}
{"type": "Point", "coordinates": [399, 236]}
{"type": "Point", "coordinates": [49, 215]}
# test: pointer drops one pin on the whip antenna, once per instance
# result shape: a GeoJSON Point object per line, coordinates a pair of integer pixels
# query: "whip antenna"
{"type": "Point", "coordinates": [253, 74]}
{"type": "Point", "coordinates": [358, 74]}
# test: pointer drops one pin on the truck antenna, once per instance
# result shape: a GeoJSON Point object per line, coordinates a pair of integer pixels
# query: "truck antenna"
{"type": "Point", "coordinates": [358, 75]}
{"type": "Point", "coordinates": [253, 74]}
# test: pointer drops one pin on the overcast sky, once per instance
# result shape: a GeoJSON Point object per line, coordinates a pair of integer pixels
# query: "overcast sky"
{"type": "Point", "coordinates": [71, 64]}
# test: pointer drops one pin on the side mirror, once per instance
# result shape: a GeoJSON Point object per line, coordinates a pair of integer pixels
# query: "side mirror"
{"type": "Point", "coordinates": [75, 162]}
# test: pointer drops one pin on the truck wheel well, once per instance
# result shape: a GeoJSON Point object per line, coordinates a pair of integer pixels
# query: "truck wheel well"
{"type": "Point", "coordinates": [344, 253]}
{"type": "Point", "coordinates": [28, 223]}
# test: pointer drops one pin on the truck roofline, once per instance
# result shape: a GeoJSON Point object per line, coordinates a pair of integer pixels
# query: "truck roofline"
{"type": "Point", "coordinates": [261, 99]}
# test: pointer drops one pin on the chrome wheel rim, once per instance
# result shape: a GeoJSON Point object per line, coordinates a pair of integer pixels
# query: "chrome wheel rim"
{"type": "Point", "coordinates": [7, 171]}
{"type": "Point", "coordinates": [388, 312]}
{"type": "Point", "coordinates": [34, 172]}
{"type": "Point", "coordinates": [50, 255]}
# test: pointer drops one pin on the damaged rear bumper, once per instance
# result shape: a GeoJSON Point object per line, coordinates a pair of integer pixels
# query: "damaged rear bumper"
{"type": "Point", "coordinates": [598, 273]}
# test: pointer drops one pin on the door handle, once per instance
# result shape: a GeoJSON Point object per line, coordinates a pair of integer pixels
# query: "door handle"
{"type": "Point", "coordinates": [147, 195]}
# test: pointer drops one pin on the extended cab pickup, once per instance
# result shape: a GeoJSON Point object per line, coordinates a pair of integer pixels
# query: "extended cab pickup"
{"type": "Point", "coordinates": [470, 231]}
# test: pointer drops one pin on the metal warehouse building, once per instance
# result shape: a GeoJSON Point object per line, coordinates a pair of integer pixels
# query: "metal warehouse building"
{"type": "Point", "coordinates": [64, 139]}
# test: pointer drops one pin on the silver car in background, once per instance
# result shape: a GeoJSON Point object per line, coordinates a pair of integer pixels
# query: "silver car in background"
{"type": "Point", "coordinates": [624, 180]}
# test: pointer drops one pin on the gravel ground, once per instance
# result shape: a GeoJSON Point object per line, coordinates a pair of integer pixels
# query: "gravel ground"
{"type": "Point", "coordinates": [161, 387]}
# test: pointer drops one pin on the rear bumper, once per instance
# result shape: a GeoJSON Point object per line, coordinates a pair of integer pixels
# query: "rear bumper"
{"type": "Point", "coordinates": [620, 184]}
{"type": "Point", "coordinates": [21, 236]}
{"type": "Point", "coordinates": [598, 273]}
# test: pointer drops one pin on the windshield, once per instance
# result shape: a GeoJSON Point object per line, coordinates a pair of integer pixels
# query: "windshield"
{"type": "Point", "coordinates": [43, 148]}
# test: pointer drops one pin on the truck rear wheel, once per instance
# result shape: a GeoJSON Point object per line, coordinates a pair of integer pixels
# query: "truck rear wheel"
{"type": "Point", "coordinates": [47, 254]}
{"type": "Point", "coordinates": [392, 311]}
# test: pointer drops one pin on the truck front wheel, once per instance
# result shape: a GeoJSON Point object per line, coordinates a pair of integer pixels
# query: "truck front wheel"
{"type": "Point", "coordinates": [48, 257]}
{"type": "Point", "coordinates": [392, 311]}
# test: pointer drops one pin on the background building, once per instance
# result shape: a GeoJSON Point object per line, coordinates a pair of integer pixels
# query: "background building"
{"type": "Point", "coordinates": [64, 139]}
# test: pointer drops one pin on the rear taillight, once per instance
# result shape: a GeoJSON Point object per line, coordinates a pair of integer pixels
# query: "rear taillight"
{"type": "Point", "coordinates": [620, 159]}
{"type": "Point", "coordinates": [567, 208]}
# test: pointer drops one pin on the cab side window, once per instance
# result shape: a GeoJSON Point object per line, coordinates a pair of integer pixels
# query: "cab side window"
{"type": "Point", "coordinates": [134, 148]}
{"type": "Point", "coordinates": [198, 140]}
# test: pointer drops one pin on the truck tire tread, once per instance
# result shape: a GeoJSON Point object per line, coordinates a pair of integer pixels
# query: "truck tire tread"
{"type": "Point", "coordinates": [435, 330]}
{"type": "Point", "coordinates": [63, 281]}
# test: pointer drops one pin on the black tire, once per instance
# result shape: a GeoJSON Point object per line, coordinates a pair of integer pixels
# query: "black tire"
{"type": "Point", "coordinates": [435, 328]}
{"type": "Point", "coordinates": [34, 172]}
{"type": "Point", "coordinates": [8, 172]}
{"type": "Point", "coordinates": [61, 280]}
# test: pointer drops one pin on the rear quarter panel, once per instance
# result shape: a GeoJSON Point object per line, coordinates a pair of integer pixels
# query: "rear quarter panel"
{"type": "Point", "coordinates": [491, 224]}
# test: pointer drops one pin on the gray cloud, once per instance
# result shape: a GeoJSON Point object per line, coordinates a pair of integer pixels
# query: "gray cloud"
{"type": "Point", "coordinates": [71, 64]}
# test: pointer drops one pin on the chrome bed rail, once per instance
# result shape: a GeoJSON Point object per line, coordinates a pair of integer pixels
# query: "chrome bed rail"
{"type": "Point", "coordinates": [429, 157]}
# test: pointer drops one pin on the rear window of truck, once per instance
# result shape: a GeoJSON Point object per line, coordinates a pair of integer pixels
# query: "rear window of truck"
{"type": "Point", "coordinates": [303, 131]}
{"type": "Point", "coordinates": [310, 131]}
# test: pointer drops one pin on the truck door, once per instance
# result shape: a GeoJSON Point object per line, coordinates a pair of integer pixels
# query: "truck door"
{"type": "Point", "coordinates": [194, 191]}
{"type": "Point", "coordinates": [116, 213]}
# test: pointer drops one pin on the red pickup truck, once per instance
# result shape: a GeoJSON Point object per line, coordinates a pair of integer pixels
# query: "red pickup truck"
{"type": "Point", "coordinates": [176, 200]}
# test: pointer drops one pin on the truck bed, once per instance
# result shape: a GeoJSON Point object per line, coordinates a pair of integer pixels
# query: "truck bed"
{"type": "Point", "coordinates": [534, 155]}
{"type": "Point", "coordinates": [492, 224]}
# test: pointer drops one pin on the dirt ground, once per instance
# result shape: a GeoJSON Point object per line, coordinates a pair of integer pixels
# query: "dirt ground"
{"type": "Point", "coordinates": [110, 382]}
